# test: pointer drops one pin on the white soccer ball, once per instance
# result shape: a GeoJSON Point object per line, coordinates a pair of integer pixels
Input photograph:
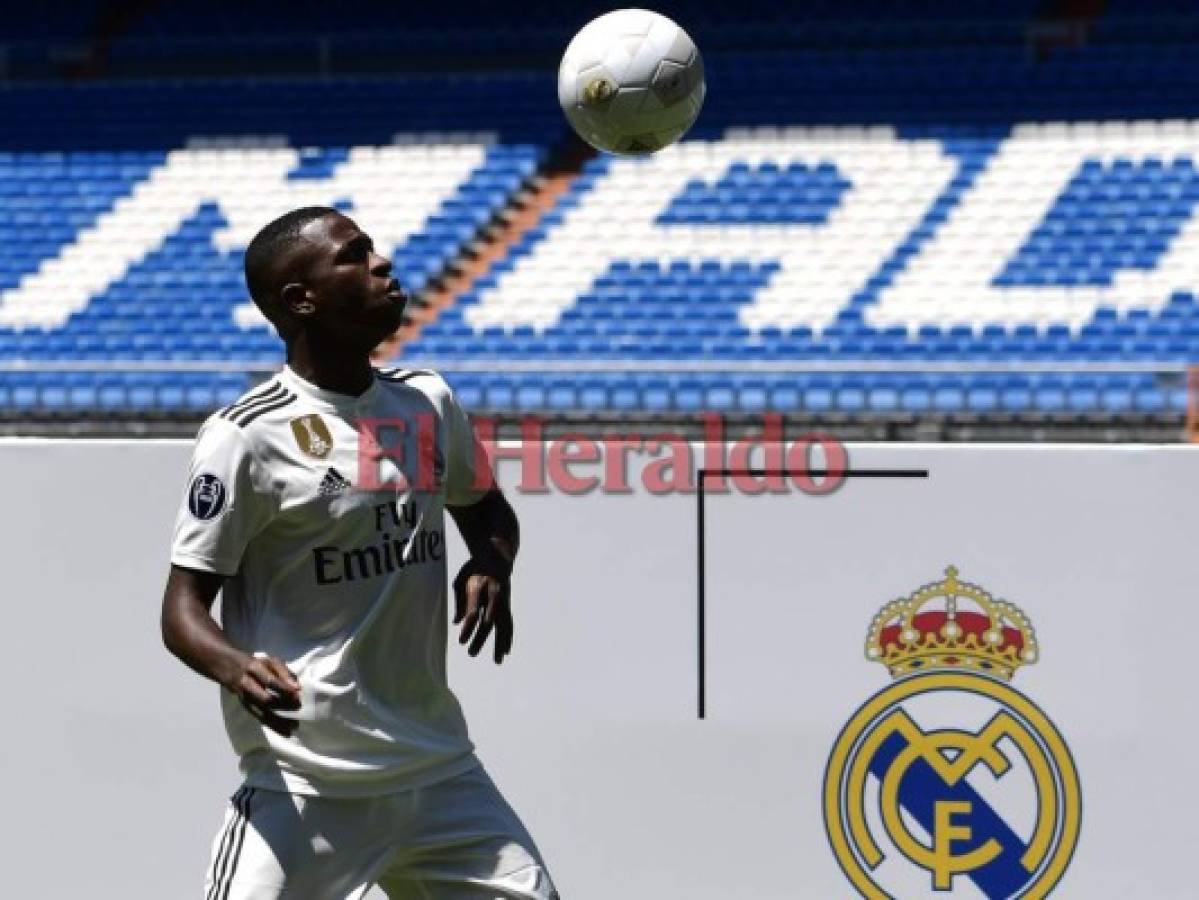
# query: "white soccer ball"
{"type": "Point", "coordinates": [631, 82]}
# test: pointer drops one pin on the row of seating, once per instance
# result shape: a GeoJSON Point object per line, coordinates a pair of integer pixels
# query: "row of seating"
{"type": "Point", "coordinates": [544, 25]}
{"type": "Point", "coordinates": [104, 393]}
{"type": "Point", "coordinates": [817, 394]}
{"type": "Point", "coordinates": [678, 344]}
{"type": "Point", "coordinates": [140, 392]}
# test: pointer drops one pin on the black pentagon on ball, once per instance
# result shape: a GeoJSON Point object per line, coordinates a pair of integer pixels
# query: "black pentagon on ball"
{"type": "Point", "coordinates": [671, 82]}
{"type": "Point", "coordinates": [641, 143]}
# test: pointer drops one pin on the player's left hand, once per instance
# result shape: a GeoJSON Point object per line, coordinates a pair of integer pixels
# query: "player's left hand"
{"type": "Point", "coordinates": [482, 603]}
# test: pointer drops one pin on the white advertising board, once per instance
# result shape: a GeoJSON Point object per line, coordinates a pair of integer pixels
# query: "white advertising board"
{"type": "Point", "coordinates": [815, 773]}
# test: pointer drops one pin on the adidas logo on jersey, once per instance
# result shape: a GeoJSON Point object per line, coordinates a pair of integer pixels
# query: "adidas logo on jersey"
{"type": "Point", "coordinates": [333, 483]}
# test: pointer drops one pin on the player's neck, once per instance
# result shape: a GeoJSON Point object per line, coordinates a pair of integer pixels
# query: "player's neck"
{"type": "Point", "coordinates": [329, 369]}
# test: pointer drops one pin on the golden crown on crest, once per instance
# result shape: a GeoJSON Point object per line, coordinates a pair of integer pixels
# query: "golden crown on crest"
{"type": "Point", "coordinates": [951, 624]}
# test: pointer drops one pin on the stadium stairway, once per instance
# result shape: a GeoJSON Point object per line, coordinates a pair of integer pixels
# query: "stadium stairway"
{"type": "Point", "coordinates": [527, 206]}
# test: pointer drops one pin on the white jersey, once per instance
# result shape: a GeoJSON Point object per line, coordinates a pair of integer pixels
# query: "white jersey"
{"type": "Point", "coordinates": [326, 512]}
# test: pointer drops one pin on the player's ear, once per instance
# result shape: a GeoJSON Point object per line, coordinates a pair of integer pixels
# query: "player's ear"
{"type": "Point", "coordinates": [298, 299]}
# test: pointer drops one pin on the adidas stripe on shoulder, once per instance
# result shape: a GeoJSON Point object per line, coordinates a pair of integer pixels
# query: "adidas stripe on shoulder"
{"type": "Point", "coordinates": [401, 375]}
{"type": "Point", "coordinates": [270, 388]}
{"type": "Point", "coordinates": [271, 397]}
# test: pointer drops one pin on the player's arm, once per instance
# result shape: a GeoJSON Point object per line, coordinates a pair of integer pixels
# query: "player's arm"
{"type": "Point", "coordinates": [482, 590]}
{"type": "Point", "coordinates": [262, 683]}
{"type": "Point", "coordinates": [228, 501]}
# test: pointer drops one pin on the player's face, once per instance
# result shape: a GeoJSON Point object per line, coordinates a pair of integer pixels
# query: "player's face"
{"type": "Point", "coordinates": [355, 298]}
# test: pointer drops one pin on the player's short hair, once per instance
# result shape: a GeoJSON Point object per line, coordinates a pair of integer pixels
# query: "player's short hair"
{"type": "Point", "coordinates": [262, 255]}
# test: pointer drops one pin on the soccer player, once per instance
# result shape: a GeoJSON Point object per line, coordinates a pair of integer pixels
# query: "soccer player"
{"type": "Point", "coordinates": [315, 505]}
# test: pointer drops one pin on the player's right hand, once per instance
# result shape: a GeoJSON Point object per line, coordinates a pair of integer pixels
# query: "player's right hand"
{"type": "Point", "coordinates": [264, 685]}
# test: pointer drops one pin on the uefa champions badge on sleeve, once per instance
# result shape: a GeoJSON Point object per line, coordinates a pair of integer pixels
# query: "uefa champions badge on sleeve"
{"type": "Point", "coordinates": [950, 782]}
{"type": "Point", "coordinates": [206, 496]}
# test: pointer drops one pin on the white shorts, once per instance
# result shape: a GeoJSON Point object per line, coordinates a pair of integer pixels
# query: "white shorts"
{"type": "Point", "coordinates": [456, 839]}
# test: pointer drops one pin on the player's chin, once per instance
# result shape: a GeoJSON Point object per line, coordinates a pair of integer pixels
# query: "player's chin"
{"type": "Point", "coordinates": [385, 315]}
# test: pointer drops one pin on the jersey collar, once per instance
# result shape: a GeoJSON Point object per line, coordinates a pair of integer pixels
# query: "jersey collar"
{"type": "Point", "coordinates": [333, 399]}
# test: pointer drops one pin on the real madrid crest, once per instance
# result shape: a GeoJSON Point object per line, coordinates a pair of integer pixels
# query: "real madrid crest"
{"type": "Point", "coordinates": [950, 782]}
{"type": "Point", "coordinates": [312, 434]}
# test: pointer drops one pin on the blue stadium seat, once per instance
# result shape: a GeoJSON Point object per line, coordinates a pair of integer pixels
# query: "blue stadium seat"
{"type": "Point", "coordinates": [499, 393]}
{"type": "Point", "coordinates": [689, 395]}
{"type": "Point", "coordinates": [915, 398]}
{"type": "Point", "coordinates": [719, 395]}
{"type": "Point", "coordinates": [560, 395]}
{"type": "Point", "coordinates": [949, 396]}
{"type": "Point", "coordinates": [752, 395]}
{"type": "Point", "coordinates": [623, 395]}
{"type": "Point", "coordinates": [1049, 394]}
{"type": "Point", "coordinates": [468, 391]}
{"type": "Point", "coordinates": [593, 395]}
{"type": "Point", "coordinates": [785, 397]}
{"type": "Point", "coordinates": [818, 397]}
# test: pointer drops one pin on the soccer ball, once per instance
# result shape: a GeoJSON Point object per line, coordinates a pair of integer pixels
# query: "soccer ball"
{"type": "Point", "coordinates": [631, 82]}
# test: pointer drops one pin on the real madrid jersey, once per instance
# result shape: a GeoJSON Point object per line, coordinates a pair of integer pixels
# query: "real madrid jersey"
{"type": "Point", "coordinates": [326, 512]}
